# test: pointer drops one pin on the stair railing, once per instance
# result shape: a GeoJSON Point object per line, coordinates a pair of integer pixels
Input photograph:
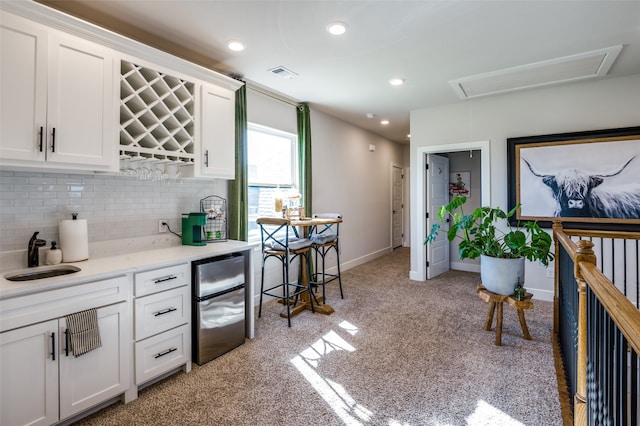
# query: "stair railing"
{"type": "Point", "coordinates": [597, 328]}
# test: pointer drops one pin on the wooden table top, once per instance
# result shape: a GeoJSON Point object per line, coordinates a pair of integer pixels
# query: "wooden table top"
{"type": "Point", "coordinates": [310, 221]}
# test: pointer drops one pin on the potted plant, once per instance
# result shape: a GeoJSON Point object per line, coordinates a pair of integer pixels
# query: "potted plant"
{"type": "Point", "coordinates": [502, 253]}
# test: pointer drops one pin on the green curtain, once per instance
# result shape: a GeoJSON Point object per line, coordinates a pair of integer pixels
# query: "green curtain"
{"type": "Point", "coordinates": [238, 203]}
{"type": "Point", "coordinates": [304, 156]}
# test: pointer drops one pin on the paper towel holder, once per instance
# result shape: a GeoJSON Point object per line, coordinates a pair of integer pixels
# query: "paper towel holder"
{"type": "Point", "coordinates": [74, 241]}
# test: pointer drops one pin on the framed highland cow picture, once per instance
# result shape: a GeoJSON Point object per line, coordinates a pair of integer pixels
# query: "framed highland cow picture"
{"type": "Point", "coordinates": [588, 180]}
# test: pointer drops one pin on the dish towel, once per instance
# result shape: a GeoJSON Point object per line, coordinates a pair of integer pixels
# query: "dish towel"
{"type": "Point", "coordinates": [84, 335]}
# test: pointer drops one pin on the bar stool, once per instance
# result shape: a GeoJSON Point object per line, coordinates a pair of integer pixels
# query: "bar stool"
{"type": "Point", "coordinates": [324, 238]}
{"type": "Point", "coordinates": [278, 244]}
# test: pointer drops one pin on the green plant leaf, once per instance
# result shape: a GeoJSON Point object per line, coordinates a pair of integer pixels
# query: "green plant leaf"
{"type": "Point", "coordinates": [515, 240]}
{"type": "Point", "coordinates": [480, 234]}
{"type": "Point", "coordinates": [433, 234]}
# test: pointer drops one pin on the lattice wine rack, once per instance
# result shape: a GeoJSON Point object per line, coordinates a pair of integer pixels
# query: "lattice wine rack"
{"type": "Point", "coordinates": [156, 115]}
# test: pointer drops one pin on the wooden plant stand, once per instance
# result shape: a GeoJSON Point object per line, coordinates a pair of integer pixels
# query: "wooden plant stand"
{"type": "Point", "coordinates": [497, 300]}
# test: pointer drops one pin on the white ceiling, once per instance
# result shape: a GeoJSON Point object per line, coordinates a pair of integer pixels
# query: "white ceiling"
{"type": "Point", "coordinates": [428, 43]}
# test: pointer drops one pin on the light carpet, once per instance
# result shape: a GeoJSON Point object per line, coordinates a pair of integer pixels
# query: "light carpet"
{"type": "Point", "coordinates": [396, 352]}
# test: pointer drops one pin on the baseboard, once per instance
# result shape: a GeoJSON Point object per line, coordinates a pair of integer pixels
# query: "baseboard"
{"type": "Point", "coordinates": [364, 259]}
{"type": "Point", "coordinates": [463, 266]}
{"type": "Point", "coordinates": [539, 294]}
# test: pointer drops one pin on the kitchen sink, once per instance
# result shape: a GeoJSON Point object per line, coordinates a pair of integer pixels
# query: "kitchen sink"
{"type": "Point", "coordinates": [42, 272]}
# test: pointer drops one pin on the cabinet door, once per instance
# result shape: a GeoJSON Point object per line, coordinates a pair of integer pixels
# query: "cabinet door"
{"type": "Point", "coordinates": [81, 120]}
{"type": "Point", "coordinates": [23, 88]}
{"type": "Point", "coordinates": [100, 374]}
{"type": "Point", "coordinates": [217, 124]}
{"type": "Point", "coordinates": [29, 375]}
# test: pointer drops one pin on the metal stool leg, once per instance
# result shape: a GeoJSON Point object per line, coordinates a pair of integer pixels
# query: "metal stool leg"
{"type": "Point", "coordinates": [261, 289]}
{"type": "Point", "coordinates": [339, 274]}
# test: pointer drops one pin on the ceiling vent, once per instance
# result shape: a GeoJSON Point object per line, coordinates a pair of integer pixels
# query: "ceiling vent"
{"type": "Point", "coordinates": [283, 72]}
{"type": "Point", "coordinates": [560, 70]}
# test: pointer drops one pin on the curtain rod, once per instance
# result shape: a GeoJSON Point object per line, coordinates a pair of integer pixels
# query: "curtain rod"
{"type": "Point", "coordinates": [270, 95]}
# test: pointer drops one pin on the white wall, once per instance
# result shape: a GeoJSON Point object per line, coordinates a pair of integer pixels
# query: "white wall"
{"type": "Point", "coordinates": [351, 180]}
{"type": "Point", "coordinates": [600, 104]}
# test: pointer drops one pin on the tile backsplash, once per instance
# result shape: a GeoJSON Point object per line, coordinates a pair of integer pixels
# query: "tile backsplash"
{"type": "Point", "coordinates": [115, 206]}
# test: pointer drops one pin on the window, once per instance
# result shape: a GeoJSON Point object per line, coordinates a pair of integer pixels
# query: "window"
{"type": "Point", "coordinates": [273, 163]}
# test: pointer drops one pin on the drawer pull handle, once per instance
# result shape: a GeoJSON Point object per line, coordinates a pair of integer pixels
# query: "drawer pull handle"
{"type": "Point", "coordinates": [165, 311]}
{"type": "Point", "coordinates": [168, 351]}
{"type": "Point", "coordinates": [169, 278]}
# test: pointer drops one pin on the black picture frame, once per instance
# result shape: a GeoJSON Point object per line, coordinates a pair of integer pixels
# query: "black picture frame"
{"type": "Point", "coordinates": [588, 152]}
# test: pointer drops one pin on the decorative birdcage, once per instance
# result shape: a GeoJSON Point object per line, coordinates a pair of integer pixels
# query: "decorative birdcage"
{"type": "Point", "coordinates": [216, 228]}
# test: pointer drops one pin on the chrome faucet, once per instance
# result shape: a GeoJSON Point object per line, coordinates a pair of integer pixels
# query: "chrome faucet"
{"type": "Point", "coordinates": [34, 249]}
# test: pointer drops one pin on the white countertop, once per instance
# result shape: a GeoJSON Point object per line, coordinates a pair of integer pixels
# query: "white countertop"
{"type": "Point", "coordinates": [109, 266]}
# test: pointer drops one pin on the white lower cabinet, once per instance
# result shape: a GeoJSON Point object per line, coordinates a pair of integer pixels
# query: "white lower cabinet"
{"type": "Point", "coordinates": [29, 375]}
{"type": "Point", "coordinates": [162, 317]}
{"type": "Point", "coordinates": [97, 375]}
{"type": "Point", "coordinates": [43, 382]}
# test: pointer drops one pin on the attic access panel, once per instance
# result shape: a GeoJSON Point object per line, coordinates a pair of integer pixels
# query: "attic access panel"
{"type": "Point", "coordinates": [560, 70]}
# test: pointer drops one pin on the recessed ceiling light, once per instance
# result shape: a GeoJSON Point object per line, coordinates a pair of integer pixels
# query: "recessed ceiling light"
{"type": "Point", "coordinates": [384, 122]}
{"type": "Point", "coordinates": [396, 81]}
{"type": "Point", "coordinates": [235, 45]}
{"type": "Point", "coordinates": [337, 28]}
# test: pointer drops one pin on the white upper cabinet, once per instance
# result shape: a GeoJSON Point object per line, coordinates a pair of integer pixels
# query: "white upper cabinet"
{"type": "Point", "coordinates": [75, 97]}
{"type": "Point", "coordinates": [57, 99]}
{"type": "Point", "coordinates": [23, 88]}
{"type": "Point", "coordinates": [217, 126]}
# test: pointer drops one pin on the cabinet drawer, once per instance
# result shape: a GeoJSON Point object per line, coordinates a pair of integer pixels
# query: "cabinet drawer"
{"type": "Point", "coordinates": [20, 311]}
{"type": "Point", "coordinates": [162, 279]}
{"type": "Point", "coordinates": [161, 311]}
{"type": "Point", "coordinates": [161, 353]}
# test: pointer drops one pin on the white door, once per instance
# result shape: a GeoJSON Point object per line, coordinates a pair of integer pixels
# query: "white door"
{"type": "Point", "coordinates": [29, 375]}
{"type": "Point", "coordinates": [397, 206]}
{"type": "Point", "coordinates": [100, 374]}
{"type": "Point", "coordinates": [437, 184]}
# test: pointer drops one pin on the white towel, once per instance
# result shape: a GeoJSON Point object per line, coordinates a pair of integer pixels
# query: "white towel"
{"type": "Point", "coordinates": [84, 335]}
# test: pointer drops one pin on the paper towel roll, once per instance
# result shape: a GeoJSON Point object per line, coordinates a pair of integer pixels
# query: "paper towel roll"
{"type": "Point", "coordinates": [74, 240]}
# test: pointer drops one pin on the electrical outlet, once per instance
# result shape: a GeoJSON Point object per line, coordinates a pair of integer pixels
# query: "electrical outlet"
{"type": "Point", "coordinates": [550, 272]}
{"type": "Point", "coordinates": [161, 226]}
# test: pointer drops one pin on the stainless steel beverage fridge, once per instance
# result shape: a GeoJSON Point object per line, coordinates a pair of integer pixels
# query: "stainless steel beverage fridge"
{"type": "Point", "coordinates": [218, 306]}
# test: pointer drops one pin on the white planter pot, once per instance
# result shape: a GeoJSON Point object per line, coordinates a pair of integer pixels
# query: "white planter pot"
{"type": "Point", "coordinates": [501, 275]}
